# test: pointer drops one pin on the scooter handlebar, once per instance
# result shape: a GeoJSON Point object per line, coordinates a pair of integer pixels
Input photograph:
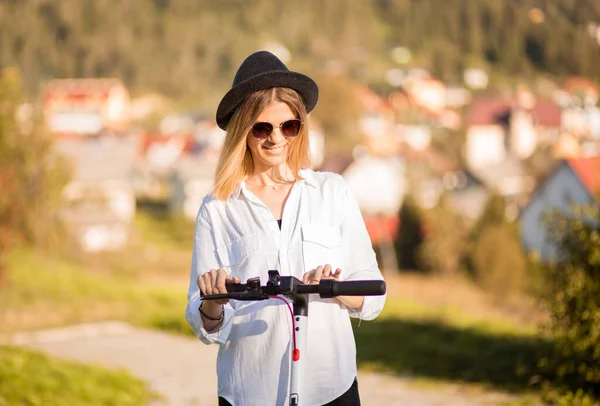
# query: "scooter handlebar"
{"type": "Point", "coordinates": [329, 288]}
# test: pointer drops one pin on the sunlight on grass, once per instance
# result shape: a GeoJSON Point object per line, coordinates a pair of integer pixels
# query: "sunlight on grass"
{"type": "Point", "coordinates": [64, 383]}
{"type": "Point", "coordinates": [406, 309]}
{"type": "Point", "coordinates": [166, 234]}
{"type": "Point", "coordinates": [42, 291]}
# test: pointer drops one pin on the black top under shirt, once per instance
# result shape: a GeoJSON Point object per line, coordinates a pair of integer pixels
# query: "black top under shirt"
{"type": "Point", "coordinates": [279, 223]}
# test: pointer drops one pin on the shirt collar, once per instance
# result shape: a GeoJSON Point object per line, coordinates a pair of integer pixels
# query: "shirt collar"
{"type": "Point", "coordinates": [238, 189]}
{"type": "Point", "coordinates": [309, 177]}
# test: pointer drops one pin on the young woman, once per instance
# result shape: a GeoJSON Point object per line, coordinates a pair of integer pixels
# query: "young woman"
{"type": "Point", "coordinates": [269, 211]}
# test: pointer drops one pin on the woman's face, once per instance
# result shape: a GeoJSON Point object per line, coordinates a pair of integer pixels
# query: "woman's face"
{"type": "Point", "coordinates": [273, 150]}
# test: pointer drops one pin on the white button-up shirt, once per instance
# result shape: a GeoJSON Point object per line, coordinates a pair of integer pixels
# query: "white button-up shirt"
{"type": "Point", "coordinates": [321, 224]}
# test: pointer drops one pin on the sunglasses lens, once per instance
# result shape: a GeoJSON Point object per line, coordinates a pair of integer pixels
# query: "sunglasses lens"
{"type": "Point", "coordinates": [260, 131]}
{"type": "Point", "coordinates": [291, 128]}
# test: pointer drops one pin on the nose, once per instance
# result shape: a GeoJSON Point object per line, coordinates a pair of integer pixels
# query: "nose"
{"type": "Point", "coordinates": [276, 135]}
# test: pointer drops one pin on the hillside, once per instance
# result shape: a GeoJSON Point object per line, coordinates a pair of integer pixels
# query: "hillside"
{"type": "Point", "coordinates": [190, 48]}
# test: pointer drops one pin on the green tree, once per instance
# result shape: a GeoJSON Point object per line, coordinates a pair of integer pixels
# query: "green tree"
{"type": "Point", "coordinates": [498, 262]}
{"type": "Point", "coordinates": [444, 242]}
{"type": "Point", "coordinates": [573, 301]}
{"type": "Point", "coordinates": [31, 177]}
{"type": "Point", "coordinates": [410, 235]}
{"type": "Point", "coordinates": [190, 48]}
{"type": "Point", "coordinates": [493, 255]}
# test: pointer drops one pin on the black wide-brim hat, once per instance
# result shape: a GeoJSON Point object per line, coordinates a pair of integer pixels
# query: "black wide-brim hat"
{"type": "Point", "coordinates": [263, 70]}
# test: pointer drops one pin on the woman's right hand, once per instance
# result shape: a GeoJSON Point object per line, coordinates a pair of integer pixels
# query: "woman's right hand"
{"type": "Point", "coordinates": [212, 283]}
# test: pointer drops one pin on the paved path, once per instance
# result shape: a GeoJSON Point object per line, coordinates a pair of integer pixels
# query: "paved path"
{"type": "Point", "coordinates": [183, 369]}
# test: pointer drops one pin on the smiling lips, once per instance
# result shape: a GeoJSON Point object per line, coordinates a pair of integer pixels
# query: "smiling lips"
{"type": "Point", "coordinates": [274, 148]}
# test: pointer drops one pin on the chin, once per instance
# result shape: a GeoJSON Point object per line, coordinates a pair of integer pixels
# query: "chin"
{"type": "Point", "coordinates": [272, 161]}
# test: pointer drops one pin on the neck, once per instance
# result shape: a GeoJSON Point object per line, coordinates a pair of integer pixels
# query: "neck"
{"type": "Point", "coordinates": [269, 176]}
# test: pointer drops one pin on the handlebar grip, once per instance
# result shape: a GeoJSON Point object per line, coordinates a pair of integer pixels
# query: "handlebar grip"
{"type": "Point", "coordinates": [330, 288]}
{"type": "Point", "coordinates": [236, 287]}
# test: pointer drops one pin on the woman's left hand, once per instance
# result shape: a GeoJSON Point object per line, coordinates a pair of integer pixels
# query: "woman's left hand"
{"type": "Point", "coordinates": [325, 272]}
{"type": "Point", "coordinates": [321, 272]}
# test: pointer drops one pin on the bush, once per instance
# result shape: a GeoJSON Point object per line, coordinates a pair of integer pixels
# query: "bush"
{"type": "Point", "coordinates": [573, 301]}
{"type": "Point", "coordinates": [444, 241]}
{"type": "Point", "coordinates": [499, 265]}
{"type": "Point", "coordinates": [494, 257]}
{"type": "Point", "coordinates": [410, 235]}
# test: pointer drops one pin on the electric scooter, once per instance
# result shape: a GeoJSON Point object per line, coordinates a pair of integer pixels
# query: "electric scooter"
{"type": "Point", "coordinates": [297, 293]}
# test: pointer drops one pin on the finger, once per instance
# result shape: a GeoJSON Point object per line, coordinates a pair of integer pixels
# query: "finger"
{"type": "Point", "coordinates": [307, 276]}
{"type": "Point", "coordinates": [318, 274]}
{"type": "Point", "coordinates": [212, 281]}
{"type": "Point", "coordinates": [326, 271]}
{"type": "Point", "coordinates": [221, 277]}
{"type": "Point", "coordinates": [200, 283]}
{"type": "Point", "coordinates": [207, 283]}
{"type": "Point", "coordinates": [337, 273]}
{"type": "Point", "coordinates": [235, 279]}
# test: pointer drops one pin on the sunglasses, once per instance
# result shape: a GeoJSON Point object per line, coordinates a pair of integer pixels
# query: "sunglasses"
{"type": "Point", "coordinates": [289, 129]}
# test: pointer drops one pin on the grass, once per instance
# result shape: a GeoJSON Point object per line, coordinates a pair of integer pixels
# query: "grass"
{"type": "Point", "coordinates": [28, 378]}
{"type": "Point", "coordinates": [440, 347]}
{"type": "Point", "coordinates": [42, 291]}
{"type": "Point", "coordinates": [144, 284]}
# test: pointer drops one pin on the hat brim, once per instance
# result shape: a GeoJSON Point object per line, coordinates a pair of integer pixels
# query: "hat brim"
{"type": "Point", "coordinates": [304, 85]}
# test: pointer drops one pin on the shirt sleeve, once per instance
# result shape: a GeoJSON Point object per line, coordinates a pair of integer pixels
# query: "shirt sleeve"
{"type": "Point", "coordinates": [203, 260]}
{"type": "Point", "coordinates": [359, 257]}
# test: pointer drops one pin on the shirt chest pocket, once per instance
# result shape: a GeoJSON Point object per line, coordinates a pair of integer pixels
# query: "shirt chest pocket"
{"type": "Point", "coordinates": [321, 245]}
{"type": "Point", "coordinates": [242, 257]}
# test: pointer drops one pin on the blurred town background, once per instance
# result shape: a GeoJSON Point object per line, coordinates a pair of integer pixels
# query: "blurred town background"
{"type": "Point", "coordinates": [469, 131]}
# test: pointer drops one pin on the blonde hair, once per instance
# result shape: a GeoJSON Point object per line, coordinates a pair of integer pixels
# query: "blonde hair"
{"type": "Point", "coordinates": [235, 161]}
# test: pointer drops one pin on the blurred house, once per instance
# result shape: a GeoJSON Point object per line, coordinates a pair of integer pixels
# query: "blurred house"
{"type": "Point", "coordinates": [580, 135]}
{"type": "Point", "coordinates": [410, 109]}
{"type": "Point", "coordinates": [486, 138]}
{"type": "Point", "coordinates": [99, 203]}
{"type": "Point", "coordinates": [148, 105]}
{"type": "Point", "coordinates": [574, 182]}
{"type": "Point", "coordinates": [379, 185]}
{"type": "Point", "coordinates": [581, 132]}
{"type": "Point", "coordinates": [534, 126]}
{"type": "Point", "coordinates": [509, 179]}
{"type": "Point", "coordinates": [427, 93]}
{"type": "Point", "coordinates": [497, 128]}
{"type": "Point", "coordinates": [86, 106]}
{"type": "Point", "coordinates": [466, 195]}
{"type": "Point", "coordinates": [157, 157]}
{"type": "Point", "coordinates": [583, 90]}
{"type": "Point", "coordinates": [457, 97]}
{"type": "Point", "coordinates": [377, 123]}
{"type": "Point", "coordinates": [208, 134]}
{"type": "Point", "coordinates": [476, 78]}
{"type": "Point", "coordinates": [433, 175]}
{"type": "Point", "coordinates": [414, 136]}
{"type": "Point", "coordinates": [191, 181]}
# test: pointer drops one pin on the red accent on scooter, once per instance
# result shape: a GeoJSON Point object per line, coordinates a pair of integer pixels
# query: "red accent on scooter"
{"type": "Point", "coordinates": [296, 355]}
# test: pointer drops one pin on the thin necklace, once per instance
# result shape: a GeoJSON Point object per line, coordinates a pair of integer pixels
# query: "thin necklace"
{"type": "Point", "coordinates": [274, 186]}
